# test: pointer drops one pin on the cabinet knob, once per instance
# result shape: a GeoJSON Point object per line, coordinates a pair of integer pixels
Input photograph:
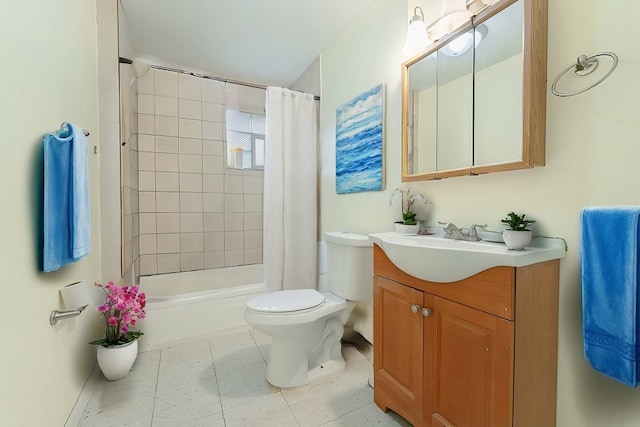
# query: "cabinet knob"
{"type": "Point", "coordinates": [426, 312]}
{"type": "Point", "coordinates": [415, 308]}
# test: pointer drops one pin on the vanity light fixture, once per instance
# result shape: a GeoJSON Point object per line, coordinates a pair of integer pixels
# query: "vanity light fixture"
{"type": "Point", "coordinates": [417, 37]}
{"type": "Point", "coordinates": [454, 14]}
{"type": "Point", "coordinates": [463, 42]}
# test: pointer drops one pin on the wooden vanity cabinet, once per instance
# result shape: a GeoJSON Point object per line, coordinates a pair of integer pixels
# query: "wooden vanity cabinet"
{"type": "Point", "coordinates": [478, 352]}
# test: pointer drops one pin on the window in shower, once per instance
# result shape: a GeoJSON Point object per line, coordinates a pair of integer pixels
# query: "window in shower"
{"type": "Point", "coordinates": [245, 140]}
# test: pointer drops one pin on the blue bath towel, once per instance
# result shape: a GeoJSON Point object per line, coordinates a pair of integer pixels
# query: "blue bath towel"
{"type": "Point", "coordinates": [609, 262]}
{"type": "Point", "coordinates": [67, 218]}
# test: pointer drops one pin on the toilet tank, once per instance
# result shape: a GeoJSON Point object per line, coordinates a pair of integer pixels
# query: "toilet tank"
{"type": "Point", "coordinates": [349, 265]}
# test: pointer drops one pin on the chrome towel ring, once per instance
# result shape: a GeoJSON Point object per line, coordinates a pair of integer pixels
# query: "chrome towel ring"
{"type": "Point", "coordinates": [584, 66]}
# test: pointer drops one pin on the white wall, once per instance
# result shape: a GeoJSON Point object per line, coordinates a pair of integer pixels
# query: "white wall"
{"type": "Point", "coordinates": [48, 75]}
{"type": "Point", "coordinates": [592, 159]}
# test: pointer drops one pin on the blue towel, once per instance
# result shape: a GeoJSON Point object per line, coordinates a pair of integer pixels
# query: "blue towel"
{"type": "Point", "coordinates": [609, 265]}
{"type": "Point", "coordinates": [67, 218]}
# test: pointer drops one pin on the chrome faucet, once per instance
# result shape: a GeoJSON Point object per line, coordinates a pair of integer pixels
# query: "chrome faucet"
{"type": "Point", "coordinates": [451, 231]}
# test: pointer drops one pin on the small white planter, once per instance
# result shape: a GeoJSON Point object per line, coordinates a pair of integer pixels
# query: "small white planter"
{"type": "Point", "coordinates": [116, 361]}
{"type": "Point", "coordinates": [408, 230]}
{"type": "Point", "coordinates": [516, 240]}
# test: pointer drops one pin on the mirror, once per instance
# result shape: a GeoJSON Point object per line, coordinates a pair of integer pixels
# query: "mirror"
{"type": "Point", "coordinates": [480, 110]}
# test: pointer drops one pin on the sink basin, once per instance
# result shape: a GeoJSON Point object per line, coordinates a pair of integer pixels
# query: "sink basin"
{"type": "Point", "coordinates": [445, 260]}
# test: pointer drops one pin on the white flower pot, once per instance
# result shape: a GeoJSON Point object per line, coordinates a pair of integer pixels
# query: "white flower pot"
{"type": "Point", "coordinates": [407, 229]}
{"type": "Point", "coordinates": [516, 240]}
{"type": "Point", "coordinates": [116, 361]}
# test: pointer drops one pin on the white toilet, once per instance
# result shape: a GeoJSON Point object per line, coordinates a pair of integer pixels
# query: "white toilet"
{"type": "Point", "coordinates": [305, 325]}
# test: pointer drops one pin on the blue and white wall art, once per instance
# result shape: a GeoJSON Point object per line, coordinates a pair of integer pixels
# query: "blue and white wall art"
{"type": "Point", "coordinates": [359, 134]}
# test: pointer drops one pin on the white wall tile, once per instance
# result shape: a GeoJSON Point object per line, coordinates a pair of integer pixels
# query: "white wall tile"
{"type": "Point", "coordinates": [147, 223]}
{"type": "Point", "coordinates": [189, 128]}
{"type": "Point", "coordinates": [190, 202]}
{"type": "Point", "coordinates": [213, 202]}
{"type": "Point", "coordinates": [213, 112]}
{"type": "Point", "coordinates": [166, 83]}
{"type": "Point", "coordinates": [213, 221]}
{"type": "Point", "coordinates": [166, 144]}
{"type": "Point", "coordinates": [190, 146]}
{"type": "Point", "coordinates": [253, 203]}
{"type": "Point", "coordinates": [167, 126]}
{"type": "Point", "coordinates": [233, 222]}
{"type": "Point", "coordinates": [213, 183]}
{"type": "Point", "coordinates": [168, 222]}
{"type": "Point", "coordinates": [168, 243]}
{"type": "Point", "coordinates": [253, 239]}
{"type": "Point", "coordinates": [253, 221]}
{"type": "Point", "coordinates": [191, 242]}
{"type": "Point", "coordinates": [166, 106]}
{"type": "Point", "coordinates": [253, 184]}
{"type": "Point", "coordinates": [213, 164]}
{"type": "Point", "coordinates": [214, 242]}
{"type": "Point", "coordinates": [212, 130]}
{"type": "Point", "coordinates": [146, 104]}
{"type": "Point", "coordinates": [213, 148]}
{"type": "Point", "coordinates": [148, 264]}
{"type": "Point", "coordinates": [147, 181]}
{"type": "Point", "coordinates": [146, 124]}
{"type": "Point", "coordinates": [233, 240]}
{"type": "Point", "coordinates": [168, 263]}
{"type": "Point", "coordinates": [253, 256]}
{"type": "Point", "coordinates": [167, 181]}
{"type": "Point", "coordinates": [190, 87]}
{"type": "Point", "coordinates": [167, 162]}
{"type": "Point", "coordinates": [191, 222]}
{"type": "Point", "coordinates": [233, 184]}
{"type": "Point", "coordinates": [233, 203]}
{"type": "Point", "coordinates": [147, 201]}
{"type": "Point", "coordinates": [233, 258]}
{"type": "Point", "coordinates": [146, 161]}
{"type": "Point", "coordinates": [214, 259]}
{"type": "Point", "coordinates": [188, 109]}
{"type": "Point", "coordinates": [148, 244]}
{"type": "Point", "coordinates": [192, 261]}
{"type": "Point", "coordinates": [146, 143]}
{"type": "Point", "coordinates": [168, 201]}
{"type": "Point", "coordinates": [191, 163]}
{"type": "Point", "coordinates": [191, 182]}
{"type": "Point", "coordinates": [146, 83]}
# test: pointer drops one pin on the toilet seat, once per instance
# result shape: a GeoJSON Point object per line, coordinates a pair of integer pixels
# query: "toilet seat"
{"type": "Point", "coordinates": [289, 301]}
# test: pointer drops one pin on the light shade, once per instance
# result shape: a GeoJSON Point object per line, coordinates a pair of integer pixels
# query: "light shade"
{"type": "Point", "coordinates": [417, 37]}
{"type": "Point", "coordinates": [454, 14]}
{"type": "Point", "coordinates": [463, 42]}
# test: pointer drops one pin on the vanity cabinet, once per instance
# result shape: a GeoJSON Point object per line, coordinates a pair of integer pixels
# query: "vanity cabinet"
{"type": "Point", "coordinates": [477, 352]}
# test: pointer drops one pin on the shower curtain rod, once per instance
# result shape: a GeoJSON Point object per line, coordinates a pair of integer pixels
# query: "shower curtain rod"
{"type": "Point", "coordinates": [206, 76]}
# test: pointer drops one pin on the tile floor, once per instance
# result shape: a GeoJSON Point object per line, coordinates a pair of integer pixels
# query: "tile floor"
{"type": "Point", "coordinates": [220, 381]}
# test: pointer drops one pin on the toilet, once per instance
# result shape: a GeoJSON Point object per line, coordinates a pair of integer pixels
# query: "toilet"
{"type": "Point", "coordinates": [306, 325]}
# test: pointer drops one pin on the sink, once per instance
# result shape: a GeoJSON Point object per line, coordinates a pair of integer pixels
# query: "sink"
{"type": "Point", "coordinates": [445, 260]}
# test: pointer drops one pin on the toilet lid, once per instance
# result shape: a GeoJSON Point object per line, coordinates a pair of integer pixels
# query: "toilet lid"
{"type": "Point", "coordinates": [286, 301]}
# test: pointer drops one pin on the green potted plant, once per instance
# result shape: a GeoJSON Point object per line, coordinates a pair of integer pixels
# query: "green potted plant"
{"type": "Point", "coordinates": [518, 235]}
{"type": "Point", "coordinates": [409, 223]}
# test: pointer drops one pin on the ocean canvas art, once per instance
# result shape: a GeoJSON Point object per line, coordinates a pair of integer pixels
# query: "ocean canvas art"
{"type": "Point", "coordinates": [359, 143]}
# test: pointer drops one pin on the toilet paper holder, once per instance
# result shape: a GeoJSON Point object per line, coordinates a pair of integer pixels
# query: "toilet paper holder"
{"type": "Point", "coordinates": [76, 298]}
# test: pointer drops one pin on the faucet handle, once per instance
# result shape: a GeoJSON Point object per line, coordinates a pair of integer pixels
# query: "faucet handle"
{"type": "Point", "coordinates": [472, 230]}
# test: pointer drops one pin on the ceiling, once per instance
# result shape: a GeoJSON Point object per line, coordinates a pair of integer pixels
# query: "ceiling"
{"type": "Point", "coordinates": [266, 42]}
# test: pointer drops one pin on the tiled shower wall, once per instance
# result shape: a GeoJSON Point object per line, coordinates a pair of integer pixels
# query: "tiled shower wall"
{"type": "Point", "coordinates": [194, 212]}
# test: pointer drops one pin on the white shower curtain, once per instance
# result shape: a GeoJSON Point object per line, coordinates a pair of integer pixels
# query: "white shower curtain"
{"type": "Point", "coordinates": [290, 191]}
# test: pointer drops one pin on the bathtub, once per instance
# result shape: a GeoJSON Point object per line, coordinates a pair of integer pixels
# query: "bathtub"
{"type": "Point", "coordinates": [186, 305]}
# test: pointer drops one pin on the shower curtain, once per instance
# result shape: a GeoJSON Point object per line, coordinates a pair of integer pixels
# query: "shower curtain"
{"type": "Point", "coordinates": [290, 191]}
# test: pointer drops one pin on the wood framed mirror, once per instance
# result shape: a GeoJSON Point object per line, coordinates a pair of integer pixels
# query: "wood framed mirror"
{"type": "Point", "coordinates": [484, 109]}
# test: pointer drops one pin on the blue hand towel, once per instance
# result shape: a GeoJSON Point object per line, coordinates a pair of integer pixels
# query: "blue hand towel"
{"type": "Point", "coordinates": [67, 218]}
{"type": "Point", "coordinates": [609, 264]}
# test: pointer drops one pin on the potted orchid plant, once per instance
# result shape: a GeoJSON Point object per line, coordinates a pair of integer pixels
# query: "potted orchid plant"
{"type": "Point", "coordinates": [118, 349]}
{"type": "Point", "coordinates": [409, 223]}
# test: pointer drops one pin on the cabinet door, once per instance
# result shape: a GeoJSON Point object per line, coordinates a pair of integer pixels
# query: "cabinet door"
{"type": "Point", "coordinates": [472, 367]}
{"type": "Point", "coordinates": [397, 348]}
